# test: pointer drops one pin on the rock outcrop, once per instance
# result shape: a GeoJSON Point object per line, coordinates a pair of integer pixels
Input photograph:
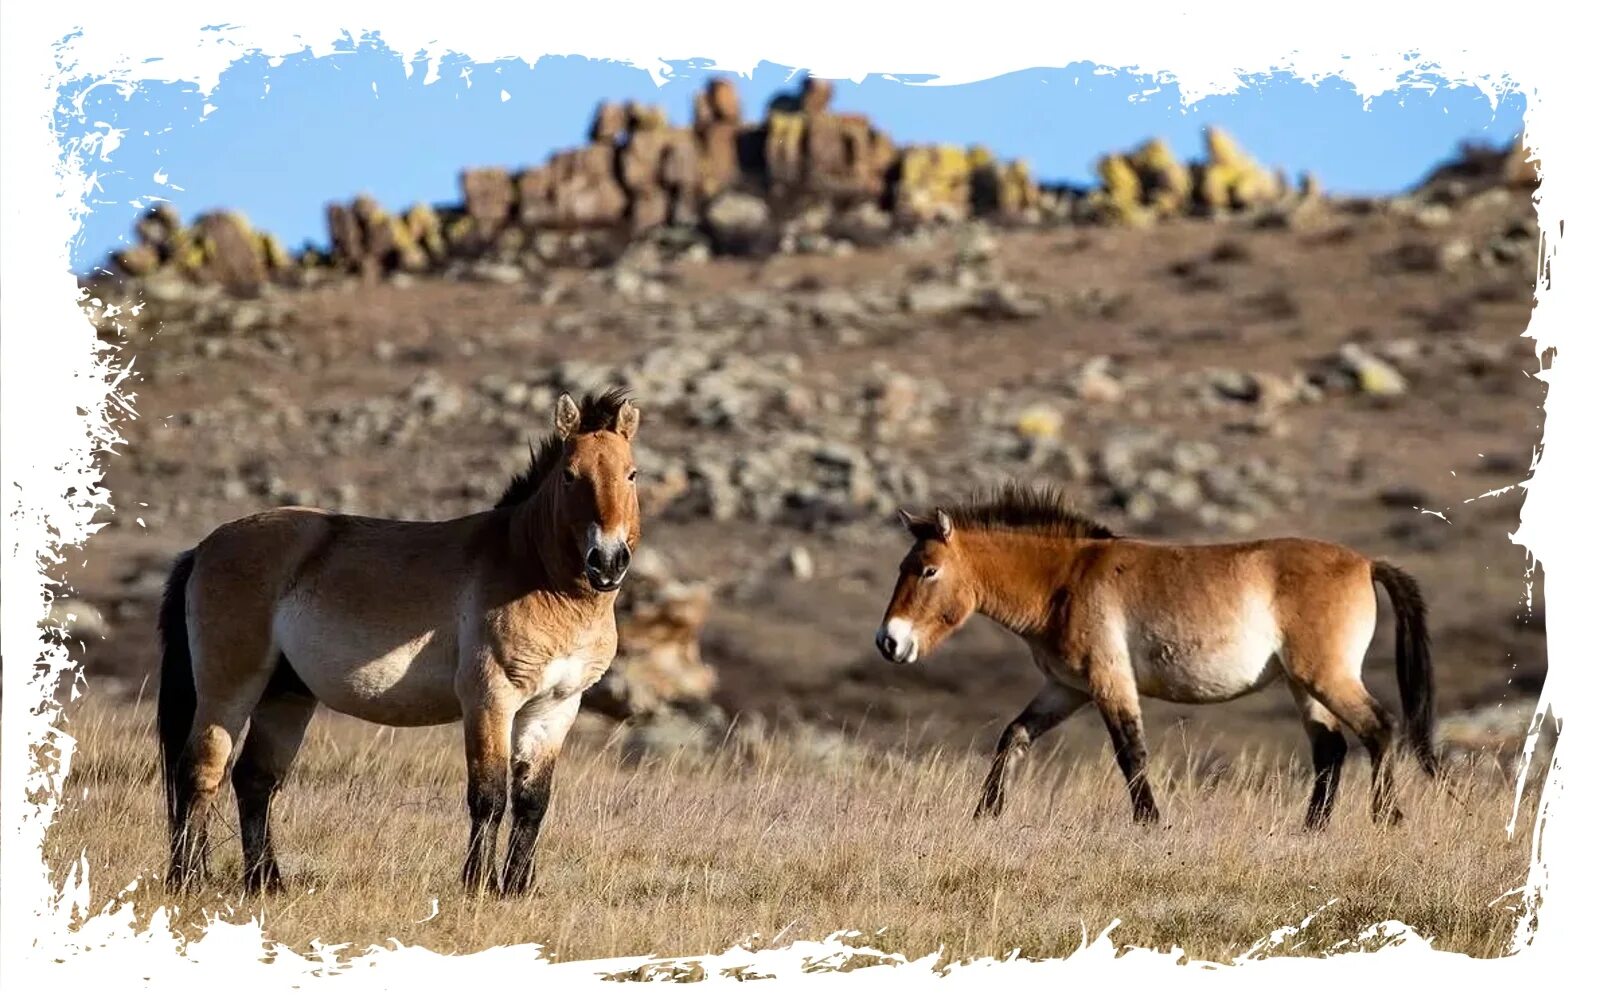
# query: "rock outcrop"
{"type": "Point", "coordinates": [805, 178]}
{"type": "Point", "coordinates": [1150, 183]}
{"type": "Point", "coordinates": [637, 173]}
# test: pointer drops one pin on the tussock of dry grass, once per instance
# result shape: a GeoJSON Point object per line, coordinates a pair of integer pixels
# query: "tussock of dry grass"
{"type": "Point", "coordinates": [695, 855]}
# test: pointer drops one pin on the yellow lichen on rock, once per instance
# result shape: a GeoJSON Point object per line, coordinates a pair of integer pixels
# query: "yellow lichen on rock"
{"type": "Point", "coordinates": [1166, 183]}
{"type": "Point", "coordinates": [1039, 423]}
{"type": "Point", "coordinates": [1230, 179]}
{"type": "Point", "coordinates": [934, 184]}
{"type": "Point", "coordinates": [273, 253]}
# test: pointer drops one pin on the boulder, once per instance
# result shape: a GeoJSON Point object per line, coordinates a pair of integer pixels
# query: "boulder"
{"type": "Point", "coordinates": [784, 150]}
{"type": "Point", "coordinates": [931, 184]}
{"type": "Point", "coordinates": [811, 98]}
{"type": "Point", "coordinates": [425, 231]}
{"type": "Point", "coordinates": [717, 157]}
{"type": "Point", "coordinates": [159, 228]}
{"type": "Point", "coordinates": [1229, 179]}
{"type": "Point", "coordinates": [583, 190]}
{"type": "Point", "coordinates": [815, 95]}
{"type": "Point", "coordinates": [229, 253]}
{"type": "Point", "coordinates": [490, 196]}
{"type": "Point", "coordinates": [1006, 190]}
{"type": "Point", "coordinates": [1165, 183]}
{"type": "Point", "coordinates": [844, 157]}
{"type": "Point", "coordinates": [138, 260]}
{"type": "Point", "coordinates": [609, 124]}
{"type": "Point", "coordinates": [737, 222]}
{"type": "Point", "coordinates": [1370, 374]}
{"type": "Point", "coordinates": [717, 104]}
{"type": "Point", "coordinates": [1121, 195]}
{"type": "Point", "coordinates": [344, 235]}
{"type": "Point", "coordinates": [645, 117]}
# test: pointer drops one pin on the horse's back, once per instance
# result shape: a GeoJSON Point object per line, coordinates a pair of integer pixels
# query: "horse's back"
{"type": "Point", "coordinates": [248, 562]}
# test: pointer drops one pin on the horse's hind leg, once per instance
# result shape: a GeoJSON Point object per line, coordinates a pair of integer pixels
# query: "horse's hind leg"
{"type": "Point", "coordinates": [1343, 693]}
{"type": "Point", "coordinates": [202, 767]}
{"type": "Point", "coordinates": [277, 727]}
{"type": "Point", "coordinates": [226, 692]}
{"type": "Point", "coordinates": [1328, 750]}
{"type": "Point", "coordinates": [1116, 695]}
{"type": "Point", "coordinates": [1048, 709]}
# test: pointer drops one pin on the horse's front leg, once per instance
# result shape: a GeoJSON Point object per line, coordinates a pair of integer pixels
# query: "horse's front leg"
{"type": "Point", "coordinates": [1049, 708]}
{"type": "Point", "coordinates": [488, 734]}
{"type": "Point", "coordinates": [537, 734]}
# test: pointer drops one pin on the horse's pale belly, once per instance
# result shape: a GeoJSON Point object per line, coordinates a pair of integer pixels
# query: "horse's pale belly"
{"type": "Point", "coordinates": [392, 677]}
{"type": "Point", "coordinates": [1197, 666]}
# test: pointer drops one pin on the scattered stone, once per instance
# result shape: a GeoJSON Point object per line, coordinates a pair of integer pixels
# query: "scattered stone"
{"type": "Point", "coordinates": [1040, 421]}
{"type": "Point", "coordinates": [932, 298]}
{"type": "Point", "coordinates": [801, 566]}
{"type": "Point", "coordinates": [1094, 382]}
{"type": "Point", "coordinates": [1371, 375]}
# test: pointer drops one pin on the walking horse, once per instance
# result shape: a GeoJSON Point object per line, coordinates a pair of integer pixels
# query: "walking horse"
{"type": "Point", "coordinates": [1108, 619]}
{"type": "Point", "coordinates": [499, 619]}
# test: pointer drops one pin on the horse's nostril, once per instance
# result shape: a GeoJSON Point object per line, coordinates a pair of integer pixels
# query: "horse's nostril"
{"type": "Point", "coordinates": [592, 559]}
{"type": "Point", "coordinates": [623, 559]}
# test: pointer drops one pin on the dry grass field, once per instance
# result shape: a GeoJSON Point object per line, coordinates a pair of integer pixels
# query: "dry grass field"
{"type": "Point", "coordinates": [765, 845]}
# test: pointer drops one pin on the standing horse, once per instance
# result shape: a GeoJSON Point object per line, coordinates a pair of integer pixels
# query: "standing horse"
{"type": "Point", "coordinates": [500, 619]}
{"type": "Point", "coordinates": [1108, 619]}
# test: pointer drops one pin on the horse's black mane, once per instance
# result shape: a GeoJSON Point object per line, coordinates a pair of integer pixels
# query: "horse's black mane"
{"type": "Point", "coordinates": [597, 412]}
{"type": "Point", "coordinates": [1012, 507]}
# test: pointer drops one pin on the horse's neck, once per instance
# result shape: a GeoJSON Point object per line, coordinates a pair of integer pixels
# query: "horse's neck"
{"type": "Point", "coordinates": [542, 550]}
{"type": "Point", "coordinates": [1018, 575]}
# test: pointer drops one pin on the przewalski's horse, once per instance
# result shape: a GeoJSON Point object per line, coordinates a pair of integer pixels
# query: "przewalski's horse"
{"type": "Point", "coordinates": [500, 619]}
{"type": "Point", "coordinates": [1109, 619]}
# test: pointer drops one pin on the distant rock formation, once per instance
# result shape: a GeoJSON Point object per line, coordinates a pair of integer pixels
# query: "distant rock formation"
{"type": "Point", "coordinates": [743, 188]}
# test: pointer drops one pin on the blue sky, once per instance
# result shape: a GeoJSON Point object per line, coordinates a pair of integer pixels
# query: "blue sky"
{"type": "Point", "coordinates": [279, 142]}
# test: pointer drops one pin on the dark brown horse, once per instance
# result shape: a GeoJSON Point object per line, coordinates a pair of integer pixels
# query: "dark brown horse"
{"type": "Point", "coordinates": [1109, 619]}
{"type": "Point", "coordinates": [500, 619]}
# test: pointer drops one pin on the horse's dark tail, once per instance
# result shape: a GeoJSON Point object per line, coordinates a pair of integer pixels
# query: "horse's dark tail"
{"type": "Point", "coordinates": [175, 703]}
{"type": "Point", "coordinates": [1413, 660]}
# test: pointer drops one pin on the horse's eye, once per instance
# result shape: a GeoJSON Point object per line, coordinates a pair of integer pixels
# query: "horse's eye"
{"type": "Point", "coordinates": [568, 476]}
{"type": "Point", "coordinates": [633, 474]}
{"type": "Point", "coordinates": [929, 572]}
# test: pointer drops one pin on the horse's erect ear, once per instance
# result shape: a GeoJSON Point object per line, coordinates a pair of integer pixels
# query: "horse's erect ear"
{"type": "Point", "coordinates": [628, 420]}
{"type": "Point", "coordinates": [945, 525]}
{"type": "Point", "coordinates": [908, 520]}
{"type": "Point", "coordinates": [567, 417]}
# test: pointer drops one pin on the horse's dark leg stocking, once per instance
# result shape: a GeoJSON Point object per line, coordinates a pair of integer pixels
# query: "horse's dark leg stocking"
{"type": "Point", "coordinates": [1048, 709]}
{"type": "Point", "coordinates": [1117, 698]}
{"type": "Point", "coordinates": [537, 736]}
{"type": "Point", "coordinates": [277, 727]}
{"type": "Point", "coordinates": [488, 737]}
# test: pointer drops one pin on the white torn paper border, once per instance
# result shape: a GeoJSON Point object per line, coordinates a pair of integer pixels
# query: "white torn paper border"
{"type": "Point", "coordinates": [60, 405]}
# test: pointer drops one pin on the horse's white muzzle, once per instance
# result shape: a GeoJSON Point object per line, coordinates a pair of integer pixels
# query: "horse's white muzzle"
{"type": "Point", "coordinates": [897, 641]}
{"type": "Point", "coordinates": [606, 560]}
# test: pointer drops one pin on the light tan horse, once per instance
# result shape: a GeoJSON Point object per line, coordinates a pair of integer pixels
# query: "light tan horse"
{"type": "Point", "coordinates": [1108, 619]}
{"type": "Point", "coordinates": [500, 619]}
